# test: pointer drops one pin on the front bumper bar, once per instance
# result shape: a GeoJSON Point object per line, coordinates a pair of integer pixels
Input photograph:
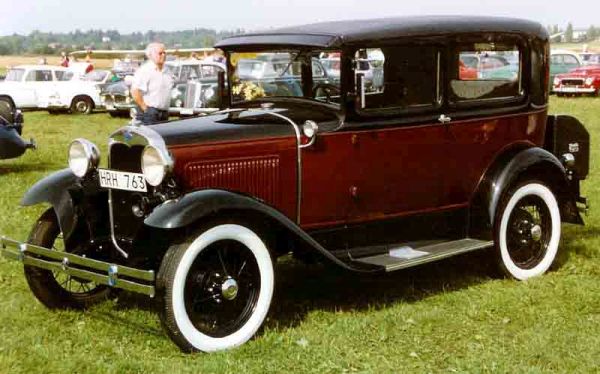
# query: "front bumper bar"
{"type": "Point", "coordinates": [574, 90]}
{"type": "Point", "coordinates": [100, 272]}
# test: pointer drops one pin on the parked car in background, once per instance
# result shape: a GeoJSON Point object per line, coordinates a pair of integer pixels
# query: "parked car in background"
{"type": "Point", "coordinates": [74, 93]}
{"type": "Point", "coordinates": [562, 61]}
{"type": "Point", "coordinates": [196, 212]}
{"type": "Point", "coordinates": [195, 89]}
{"type": "Point", "coordinates": [582, 80]}
{"type": "Point", "coordinates": [12, 145]}
{"type": "Point", "coordinates": [23, 84]}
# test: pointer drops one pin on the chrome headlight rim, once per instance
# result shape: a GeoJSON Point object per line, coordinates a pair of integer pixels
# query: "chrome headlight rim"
{"type": "Point", "coordinates": [83, 157]}
{"type": "Point", "coordinates": [156, 163]}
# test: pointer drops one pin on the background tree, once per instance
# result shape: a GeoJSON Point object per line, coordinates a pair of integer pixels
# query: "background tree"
{"type": "Point", "coordinates": [569, 33]}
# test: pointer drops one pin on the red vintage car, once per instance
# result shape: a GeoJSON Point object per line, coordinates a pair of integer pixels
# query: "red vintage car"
{"type": "Point", "coordinates": [582, 80]}
{"type": "Point", "coordinates": [432, 164]}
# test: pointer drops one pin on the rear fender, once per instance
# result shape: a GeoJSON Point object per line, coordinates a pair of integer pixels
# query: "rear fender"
{"type": "Point", "coordinates": [532, 163]}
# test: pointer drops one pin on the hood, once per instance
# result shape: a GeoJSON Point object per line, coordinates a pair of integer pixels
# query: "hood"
{"type": "Point", "coordinates": [244, 124]}
{"type": "Point", "coordinates": [592, 70]}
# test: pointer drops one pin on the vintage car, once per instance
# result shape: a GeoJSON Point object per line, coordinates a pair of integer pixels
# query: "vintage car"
{"type": "Point", "coordinates": [562, 61]}
{"type": "Point", "coordinates": [195, 212]}
{"type": "Point", "coordinates": [582, 80]}
{"type": "Point", "coordinates": [74, 92]}
{"type": "Point", "coordinates": [11, 128]}
{"type": "Point", "coordinates": [195, 90]}
{"type": "Point", "coordinates": [23, 84]}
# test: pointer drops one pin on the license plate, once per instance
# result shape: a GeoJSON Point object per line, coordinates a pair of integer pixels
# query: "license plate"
{"type": "Point", "coordinates": [186, 111]}
{"type": "Point", "coordinates": [110, 107]}
{"type": "Point", "coordinates": [122, 180]}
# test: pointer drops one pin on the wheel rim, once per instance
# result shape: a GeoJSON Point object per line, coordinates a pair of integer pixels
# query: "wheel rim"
{"type": "Point", "coordinates": [81, 106]}
{"type": "Point", "coordinates": [222, 288]}
{"type": "Point", "coordinates": [529, 232]}
{"type": "Point", "coordinates": [71, 284]}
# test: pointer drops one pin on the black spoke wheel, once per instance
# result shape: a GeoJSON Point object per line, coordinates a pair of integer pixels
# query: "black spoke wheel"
{"type": "Point", "coordinates": [215, 288]}
{"type": "Point", "coordinates": [56, 289]}
{"type": "Point", "coordinates": [527, 230]}
{"type": "Point", "coordinates": [222, 288]}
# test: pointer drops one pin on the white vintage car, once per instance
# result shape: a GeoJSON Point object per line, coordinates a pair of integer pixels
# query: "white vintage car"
{"type": "Point", "coordinates": [51, 87]}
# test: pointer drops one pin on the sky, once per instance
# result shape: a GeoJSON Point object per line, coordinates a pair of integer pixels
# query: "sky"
{"type": "Point", "coordinates": [24, 16]}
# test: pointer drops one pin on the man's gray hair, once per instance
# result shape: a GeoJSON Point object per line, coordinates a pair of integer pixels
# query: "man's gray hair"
{"type": "Point", "coordinates": [152, 50]}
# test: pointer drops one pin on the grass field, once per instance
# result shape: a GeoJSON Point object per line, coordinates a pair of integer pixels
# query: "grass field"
{"type": "Point", "coordinates": [451, 316]}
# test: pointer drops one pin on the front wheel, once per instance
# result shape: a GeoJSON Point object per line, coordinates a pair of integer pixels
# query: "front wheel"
{"type": "Point", "coordinates": [216, 288]}
{"type": "Point", "coordinates": [54, 289]}
{"type": "Point", "coordinates": [82, 105]}
{"type": "Point", "coordinates": [528, 230]}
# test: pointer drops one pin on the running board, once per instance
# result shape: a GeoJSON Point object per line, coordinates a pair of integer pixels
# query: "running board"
{"type": "Point", "coordinates": [405, 256]}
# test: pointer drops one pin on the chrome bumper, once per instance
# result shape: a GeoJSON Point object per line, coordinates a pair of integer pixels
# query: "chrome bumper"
{"type": "Point", "coordinates": [562, 89]}
{"type": "Point", "coordinates": [100, 272]}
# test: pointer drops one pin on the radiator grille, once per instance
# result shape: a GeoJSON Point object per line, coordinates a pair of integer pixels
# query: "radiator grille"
{"type": "Point", "coordinates": [572, 82]}
{"type": "Point", "coordinates": [258, 177]}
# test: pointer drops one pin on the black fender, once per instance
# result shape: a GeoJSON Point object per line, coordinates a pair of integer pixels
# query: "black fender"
{"type": "Point", "coordinates": [195, 205]}
{"type": "Point", "coordinates": [11, 144]}
{"type": "Point", "coordinates": [533, 162]}
{"type": "Point", "coordinates": [54, 189]}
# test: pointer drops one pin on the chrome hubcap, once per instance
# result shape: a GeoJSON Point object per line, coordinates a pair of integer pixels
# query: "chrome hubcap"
{"type": "Point", "coordinates": [536, 233]}
{"type": "Point", "coordinates": [229, 289]}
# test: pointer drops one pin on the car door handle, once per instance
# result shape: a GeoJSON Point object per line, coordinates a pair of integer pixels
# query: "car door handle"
{"type": "Point", "coordinates": [444, 118]}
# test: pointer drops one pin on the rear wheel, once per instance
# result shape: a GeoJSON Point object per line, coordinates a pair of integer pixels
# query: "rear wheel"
{"type": "Point", "coordinates": [527, 230]}
{"type": "Point", "coordinates": [216, 288]}
{"type": "Point", "coordinates": [54, 289]}
{"type": "Point", "coordinates": [82, 105]}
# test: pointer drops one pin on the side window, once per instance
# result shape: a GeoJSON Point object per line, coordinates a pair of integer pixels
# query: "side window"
{"type": "Point", "coordinates": [401, 77]}
{"type": "Point", "coordinates": [209, 71]}
{"type": "Point", "coordinates": [317, 70]}
{"type": "Point", "coordinates": [484, 71]}
{"type": "Point", "coordinates": [39, 76]}
{"type": "Point", "coordinates": [570, 60]}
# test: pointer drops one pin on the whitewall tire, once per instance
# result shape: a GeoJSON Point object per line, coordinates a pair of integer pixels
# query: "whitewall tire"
{"type": "Point", "coordinates": [528, 230]}
{"type": "Point", "coordinates": [216, 288]}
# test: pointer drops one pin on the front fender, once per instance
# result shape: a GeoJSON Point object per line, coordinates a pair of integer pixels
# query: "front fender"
{"type": "Point", "coordinates": [54, 189]}
{"type": "Point", "coordinates": [195, 205]}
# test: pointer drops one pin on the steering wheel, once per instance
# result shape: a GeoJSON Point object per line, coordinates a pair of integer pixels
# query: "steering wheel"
{"type": "Point", "coordinates": [327, 88]}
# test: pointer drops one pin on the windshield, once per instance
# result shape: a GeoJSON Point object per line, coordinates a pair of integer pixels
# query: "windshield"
{"type": "Point", "coordinates": [255, 75]}
{"type": "Point", "coordinates": [15, 75]}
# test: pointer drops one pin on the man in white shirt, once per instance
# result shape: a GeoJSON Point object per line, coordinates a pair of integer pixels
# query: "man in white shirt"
{"type": "Point", "coordinates": [151, 87]}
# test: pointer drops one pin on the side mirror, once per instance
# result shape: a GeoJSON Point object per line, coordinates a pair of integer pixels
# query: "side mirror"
{"type": "Point", "coordinates": [360, 89]}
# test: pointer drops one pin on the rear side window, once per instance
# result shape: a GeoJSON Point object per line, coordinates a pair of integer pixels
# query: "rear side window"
{"type": "Point", "coordinates": [400, 77]}
{"type": "Point", "coordinates": [39, 76]}
{"type": "Point", "coordinates": [485, 71]}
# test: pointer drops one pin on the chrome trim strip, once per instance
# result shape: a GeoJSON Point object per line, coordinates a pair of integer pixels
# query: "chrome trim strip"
{"type": "Point", "coordinates": [97, 271]}
{"type": "Point", "coordinates": [439, 78]}
{"type": "Point", "coordinates": [299, 155]}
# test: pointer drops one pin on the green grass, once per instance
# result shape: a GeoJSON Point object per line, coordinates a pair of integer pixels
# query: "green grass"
{"type": "Point", "coordinates": [451, 316]}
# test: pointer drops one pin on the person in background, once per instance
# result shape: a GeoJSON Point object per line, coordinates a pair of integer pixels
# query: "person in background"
{"type": "Point", "coordinates": [64, 60]}
{"type": "Point", "coordinates": [43, 61]}
{"type": "Point", "coordinates": [151, 87]}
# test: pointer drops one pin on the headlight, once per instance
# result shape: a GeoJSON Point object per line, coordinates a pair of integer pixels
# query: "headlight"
{"type": "Point", "coordinates": [178, 103]}
{"type": "Point", "coordinates": [126, 93]}
{"type": "Point", "coordinates": [589, 81]}
{"type": "Point", "coordinates": [155, 165]}
{"type": "Point", "coordinates": [556, 81]}
{"type": "Point", "coordinates": [83, 157]}
{"type": "Point", "coordinates": [209, 93]}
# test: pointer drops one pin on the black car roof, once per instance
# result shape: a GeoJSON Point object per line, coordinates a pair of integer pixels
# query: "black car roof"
{"type": "Point", "coordinates": [335, 34]}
